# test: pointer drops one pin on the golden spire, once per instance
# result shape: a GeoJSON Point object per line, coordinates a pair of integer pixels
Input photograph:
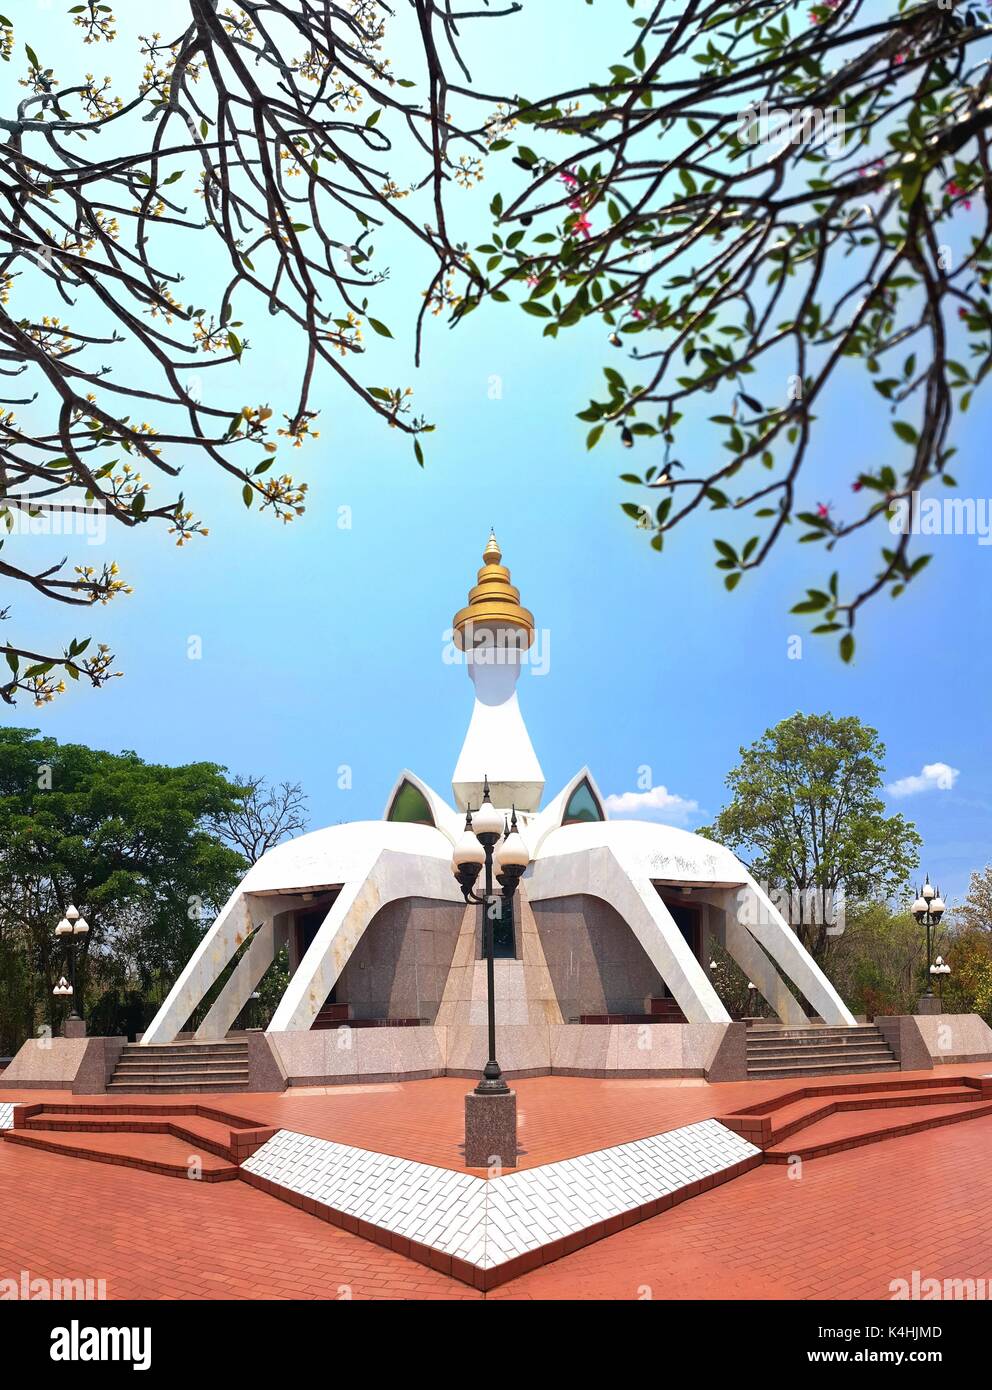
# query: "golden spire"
{"type": "Point", "coordinates": [493, 602]}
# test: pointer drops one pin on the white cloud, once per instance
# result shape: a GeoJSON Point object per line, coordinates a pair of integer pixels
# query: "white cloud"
{"type": "Point", "coordinates": [657, 804]}
{"type": "Point", "coordinates": [935, 777]}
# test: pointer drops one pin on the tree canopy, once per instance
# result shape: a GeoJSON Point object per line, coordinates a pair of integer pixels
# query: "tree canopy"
{"type": "Point", "coordinates": [806, 812]}
{"type": "Point", "coordinates": [243, 172]}
{"type": "Point", "coordinates": [753, 199]}
{"type": "Point", "coordinates": [976, 910]}
{"type": "Point", "coordinates": [124, 840]}
{"type": "Point", "coordinates": [757, 200]}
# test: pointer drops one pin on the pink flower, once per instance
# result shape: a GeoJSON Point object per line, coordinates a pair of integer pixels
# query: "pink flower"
{"type": "Point", "coordinates": [636, 314]}
{"type": "Point", "coordinates": [583, 225]}
{"type": "Point", "coordinates": [956, 191]}
{"type": "Point", "coordinates": [533, 280]}
{"type": "Point", "coordinates": [822, 510]}
{"type": "Point", "coordinates": [900, 58]}
{"type": "Point", "coordinates": [857, 485]}
{"type": "Point", "coordinates": [569, 179]}
{"type": "Point", "coordinates": [962, 313]}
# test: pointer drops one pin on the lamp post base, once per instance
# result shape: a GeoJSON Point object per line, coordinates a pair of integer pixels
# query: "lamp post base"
{"type": "Point", "coordinates": [74, 1028]}
{"type": "Point", "coordinates": [491, 1129]}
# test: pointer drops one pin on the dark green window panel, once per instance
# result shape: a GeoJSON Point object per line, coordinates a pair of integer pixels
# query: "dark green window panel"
{"type": "Point", "coordinates": [410, 804]}
{"type": "Point", "coordinates": [582, 806]}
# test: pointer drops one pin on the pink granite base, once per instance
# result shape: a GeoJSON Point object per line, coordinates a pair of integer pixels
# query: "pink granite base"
{"type": "Point", "coordinates": [328, 1057]}
{"type": "Point", "coordinates": [491, 1130]}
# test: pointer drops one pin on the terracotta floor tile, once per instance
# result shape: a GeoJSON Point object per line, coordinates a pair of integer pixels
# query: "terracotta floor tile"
{"type": "Point", "coordinates": [150, 1236]}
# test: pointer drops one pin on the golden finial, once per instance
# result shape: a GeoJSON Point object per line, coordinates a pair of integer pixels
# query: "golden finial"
{"type": "Point", "coordinates": [493, 602]}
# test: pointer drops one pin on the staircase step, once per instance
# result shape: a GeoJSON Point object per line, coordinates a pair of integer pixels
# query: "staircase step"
{"type": "Point", "coordinates": [162, 1052]}
{"type": "Point", "coordinates": [802, 1048]}
{"type": "Point", "coordinates": [816, 1048]}
{"type": "Point", "coordinates": [165, 1088]}
{"type": "Point", "coordinates": [807, 1036]}
{"type": "Point", "coordinates": [812, 1035]}
{"type": "Point", "coordinates": [194, 1130]}
{"type": "Point", "coordinates": [820, 1054]}
{"type": "Point", "coordinates": [872, 1107]}
{"type": "Point", "coordinates": [786, 1072]}
{"type": "Point", "coordinates": [183, 1064]}
{"type": "Point", "coordinates": [196, 1079]}
{"type": "Point", "coordinates": [811, 1049]}
{"type": "Point", "coordinates": [841, 1131]}
{"type": "Point", "coordinates": [193, 1082]}
{"type": "Point", "coordinates": [157, 1153]}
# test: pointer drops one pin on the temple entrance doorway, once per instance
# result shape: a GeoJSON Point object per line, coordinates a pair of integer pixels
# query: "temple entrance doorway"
{"type": "Point", "coordinates": [688, 919]}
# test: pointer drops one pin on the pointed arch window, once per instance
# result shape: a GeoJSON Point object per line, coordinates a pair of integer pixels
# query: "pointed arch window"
{"type": "Point", "coordinates": [410, 805]}
{"type": "Point", "coordinates": [582, 806]}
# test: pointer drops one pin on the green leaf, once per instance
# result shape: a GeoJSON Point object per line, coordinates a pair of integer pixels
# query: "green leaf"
{"type": "Point", "coordinates": [847, 646]}
{"type": "Point", "coordinates": [380, 328]}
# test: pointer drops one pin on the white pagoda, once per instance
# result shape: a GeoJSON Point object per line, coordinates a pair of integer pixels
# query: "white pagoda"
{"type": "Point", "coordinates": [601, 968]}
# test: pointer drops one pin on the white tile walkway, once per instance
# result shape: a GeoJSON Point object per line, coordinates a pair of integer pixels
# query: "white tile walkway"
{"type": "Point", "coordinates": [487, 1222]}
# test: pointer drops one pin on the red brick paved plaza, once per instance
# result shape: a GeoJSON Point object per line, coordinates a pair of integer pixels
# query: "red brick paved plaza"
{"type": "Point", "coordinates": [853, 1222]}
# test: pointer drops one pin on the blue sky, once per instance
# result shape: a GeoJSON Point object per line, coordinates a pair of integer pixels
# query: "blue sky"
{"type": "Point", "coordinates": [322, 645]}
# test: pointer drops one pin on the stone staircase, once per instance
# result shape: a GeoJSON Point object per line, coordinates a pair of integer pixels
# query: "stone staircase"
{"type": "Point", "coordinates": [831, 1116]}
{"type": "Point", "coordinates": [779, 1054]}
{"type": "Point", "coordinates": [174, 1068]}
{"type": "Point", "coordinates": [179, 1139]}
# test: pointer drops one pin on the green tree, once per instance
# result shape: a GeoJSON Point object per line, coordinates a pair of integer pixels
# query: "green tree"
{"type": "Point", "coordinates": [976, 910]}
{"type": "Point", "coordinates": [807, 813]}
{"type": "Point", "coordinates": [752, 200]}
{"type": "Point", "coordinates": [128, 843]}
{"type": "Point", "coordinates": [879, 964]}
{"type": "Point", "coordinates": [968, 988]}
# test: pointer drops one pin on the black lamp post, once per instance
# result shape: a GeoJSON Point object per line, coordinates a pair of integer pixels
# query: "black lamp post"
{"type": "Point", "coordinates": [929, 908]}
{"type": "Point", "coordinates": [481, 846]}
{"type": "Point", "coordinates": [70, 927]}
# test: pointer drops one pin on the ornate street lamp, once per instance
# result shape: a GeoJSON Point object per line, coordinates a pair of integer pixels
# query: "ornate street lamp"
{"type": "Point", "coordinates": [929, 908]}
{"type": "Point", "coordinates": [480, 847]}
{"type": "Point", "coordinates": [938, 970]}
{"type": "Point", "coordinates": [69, 928]}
